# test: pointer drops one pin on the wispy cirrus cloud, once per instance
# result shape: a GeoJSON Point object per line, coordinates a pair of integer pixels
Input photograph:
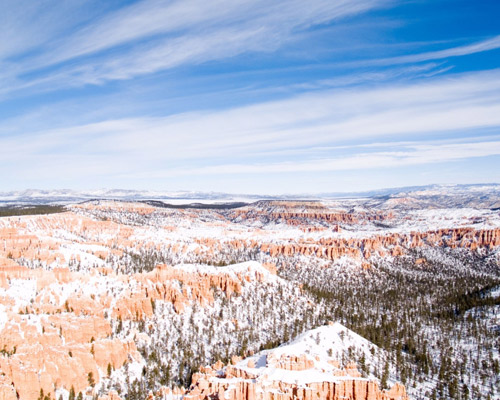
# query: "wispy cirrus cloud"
{"type": "Point", "coordinates": [150, 36]}
{"type": "Point", "coordinates": [411, 154]}
{"type": "Point", "coordinates": [153, 18]}
{"type": "Point", "coordinates": [473, 48]}
{"type": "Point", "coordinates": [160, 55]}
{"type": "Point", "coordinates": [386, 75]}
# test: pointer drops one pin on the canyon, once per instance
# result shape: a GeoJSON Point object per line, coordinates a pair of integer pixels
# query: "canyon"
{"type": "Point", "coordinates": [123, 299]}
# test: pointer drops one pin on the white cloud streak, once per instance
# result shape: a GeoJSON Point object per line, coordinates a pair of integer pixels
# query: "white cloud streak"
{"type": "Point", "coordinates": [478, 47]}
{"type": "Point", "coordinates": [406, 156]}
{"type": "Point", "coordinates": [156, 35]}
{"type": "Point", "coordinates": [166, 54]}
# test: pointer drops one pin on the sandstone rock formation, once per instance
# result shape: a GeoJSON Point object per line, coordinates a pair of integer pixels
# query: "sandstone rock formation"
{"type": "Point", "coordinates": [393, 244]}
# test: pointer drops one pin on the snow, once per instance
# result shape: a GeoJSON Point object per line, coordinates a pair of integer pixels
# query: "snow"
{"type": "Point", "coordinates": [21, 290]}
{"type": "Point", "coordinates": [3, 317]}
{"type": "Point", "coordinates": [303, 378]}
{"type": "Point", "coordinates": [495, 292]}
{"type": "Point", "coordinates": [317, 341]}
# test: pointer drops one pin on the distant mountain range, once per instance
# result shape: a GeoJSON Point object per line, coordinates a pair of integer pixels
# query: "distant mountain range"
{"type": "Point", "coordinates": [469, 193]}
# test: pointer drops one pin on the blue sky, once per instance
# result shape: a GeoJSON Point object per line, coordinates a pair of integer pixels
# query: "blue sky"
{"type": "Point", "coordinates": [248, 96]}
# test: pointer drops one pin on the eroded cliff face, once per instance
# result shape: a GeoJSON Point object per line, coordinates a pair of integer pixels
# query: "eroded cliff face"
{"type": "Point", "coordinates": [235, 383]}
{"type": "Point", "coordinates": [114, 234]}
{"type": "Point", "coordinates": [394, 244]}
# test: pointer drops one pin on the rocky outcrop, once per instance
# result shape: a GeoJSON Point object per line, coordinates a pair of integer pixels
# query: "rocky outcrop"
{"type": "Point", "coordinates": [112, 395]}
{"type": "Point", "coordinates": [305, 380]}
{"type": "Point", "coordinates": [394, 244]}
{"type": "Point", "coordinates": [303, 213]}
{"type": "Point", "coordinates": [7, 389]}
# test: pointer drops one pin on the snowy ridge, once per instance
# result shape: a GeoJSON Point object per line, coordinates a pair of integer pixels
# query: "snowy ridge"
{"type": "Point", "coordinates": [318, 341]}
